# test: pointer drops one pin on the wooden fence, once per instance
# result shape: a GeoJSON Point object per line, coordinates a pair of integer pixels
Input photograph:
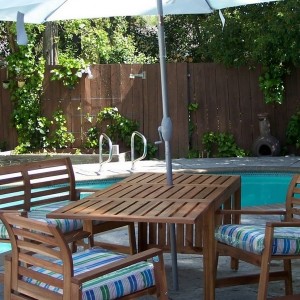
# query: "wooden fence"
{"type": "Point", "coordinates": [229, 101]}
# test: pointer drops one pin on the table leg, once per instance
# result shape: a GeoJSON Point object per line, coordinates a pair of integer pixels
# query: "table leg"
{"type": "Point", "coordinates": [174, 257]}
{"type": "Point", "coordinates": [209, 255]}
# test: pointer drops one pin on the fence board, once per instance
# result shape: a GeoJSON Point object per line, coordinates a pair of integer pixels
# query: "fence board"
{"type": "Point", "coordinates": [152, 104]}
{"type": "Point", "coordinates": [245, 107]}
{"type": "Point", "coordinates": [222, 99]}
{"type": "Point", "coordinates": [234, 104]}
{"type": "Point", "coordinates": [199, 119]}
{"type": "Point", "coordinates": [177, 87]}
{"type": "Point", "coordinates": [211, 100]}
{"type": "Point", "coordinates": [257, 104]}
{"type": "Point", "coordinates": [180, 136]}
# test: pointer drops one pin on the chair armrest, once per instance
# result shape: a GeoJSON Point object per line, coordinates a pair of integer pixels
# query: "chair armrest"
{"type": "Point", "coordinates": [84, 190]}
{"type": "Point", "coordinates": [250, 212]}
{"type": "Point", "coordinates": [132, 259]}
{"type": "Point", "coordinates": [283, 224]}
{"type": "Point", "coordinates": [22, 213]}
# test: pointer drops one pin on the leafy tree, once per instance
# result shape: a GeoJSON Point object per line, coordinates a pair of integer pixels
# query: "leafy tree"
{"type": "Point", "coordinates": [106, 40]}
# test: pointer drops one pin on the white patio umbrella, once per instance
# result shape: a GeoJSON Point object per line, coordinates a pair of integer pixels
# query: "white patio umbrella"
{"type": "Point", "coordinates": [40, 11]}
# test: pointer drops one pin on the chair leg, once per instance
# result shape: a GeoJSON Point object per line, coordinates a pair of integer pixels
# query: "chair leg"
{"type": "Point", "coordinates": [132, 239]}
{"type": "Point", "coordinates": [263, 280]}
{"type": "Point", "coordinates": [160, 277]}
{"type": "Point", "coordinates": [7, 279]}
{"type": "Point", "coordinates": [288, 282]}
{"type": "Point", "coordinates": [234, 264]}
{"type": "Point", "coordinates": [265, 265]}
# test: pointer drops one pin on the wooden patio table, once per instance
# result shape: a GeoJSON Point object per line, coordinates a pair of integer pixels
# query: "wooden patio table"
{"type": "Point", "coordinates": [145, 197]}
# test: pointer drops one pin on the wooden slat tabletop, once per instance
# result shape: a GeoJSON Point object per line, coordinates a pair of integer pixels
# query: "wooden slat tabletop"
{"type": "Point", "coordinates": [159, 211]}
{"type": "Point", "coordinates": [145, 197]}
{"type": "Point", "coordinates": [181, 179]}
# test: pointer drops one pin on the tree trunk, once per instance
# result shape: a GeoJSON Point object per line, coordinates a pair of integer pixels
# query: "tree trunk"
{"type": "Point", "coordinates": [50, 44]}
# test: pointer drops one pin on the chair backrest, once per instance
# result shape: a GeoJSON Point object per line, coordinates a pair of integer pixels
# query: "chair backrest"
{"type": "Point", "coordinates": [293, 200]}
{"type": "Point", "coordinates": [41, 182]}
{"type": "Point", "coordinates": [37, 244]}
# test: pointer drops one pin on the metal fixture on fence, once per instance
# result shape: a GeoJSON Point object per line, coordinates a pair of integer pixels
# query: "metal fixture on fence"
{"type": "Point", "coordinates": [140, 75]}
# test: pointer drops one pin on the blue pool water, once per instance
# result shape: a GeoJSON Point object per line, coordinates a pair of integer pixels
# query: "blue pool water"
{"type": "Point", "coordinates": [97, 184]}
{"type": "Point", "coordinates": [264, 188]}
{"type": "Point", "coordinates": [257, 189]}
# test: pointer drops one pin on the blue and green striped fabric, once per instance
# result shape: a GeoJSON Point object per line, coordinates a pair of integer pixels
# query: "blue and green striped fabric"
{"type": "Point", "coordinates": [65, 225]}
{"type": "Point", "coordinates": [251, 238]}
{"type": "Point", "coordinates": [40, 212]}
{"type": "Point", "coordinates": [110, 286]}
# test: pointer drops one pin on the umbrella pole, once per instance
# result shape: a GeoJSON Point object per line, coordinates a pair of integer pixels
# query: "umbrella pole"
{"type": "Point", "coordinates": [166, 124]}
{"type": "Point", "coordinates": [166, 130]}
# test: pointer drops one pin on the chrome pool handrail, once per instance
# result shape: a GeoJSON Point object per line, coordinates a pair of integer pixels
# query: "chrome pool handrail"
{"type": "Point", "coordinates": [132, 148]}
{"type": "Point", "coordinates": [101, 161]}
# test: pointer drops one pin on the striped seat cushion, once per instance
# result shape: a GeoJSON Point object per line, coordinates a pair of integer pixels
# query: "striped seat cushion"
{"type": "Point", "coordinates": [65, 225]}
{"type": "Point", "coordinates": [40, 212]}
{"type": "Point", "coordinates": [110, 286]}
{"type": "Point", "coordinates": [251, 238]}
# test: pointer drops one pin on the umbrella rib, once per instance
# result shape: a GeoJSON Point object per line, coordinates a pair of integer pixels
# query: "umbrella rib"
{"type": "Point", "coordinates": [58, 7]}
{"type": "Point", "coordinates": [208, 3]}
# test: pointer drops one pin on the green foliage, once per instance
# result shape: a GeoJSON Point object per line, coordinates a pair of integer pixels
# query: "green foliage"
{"type": "Point", "coordinates": [92, 138]}
{"type": "Point", "coordinates": [193, 153]}
{"type": "Point", "coordinates": [60, 137]}
{"type": "Point", "coordinates": [192, 107]}
{"type": "Point", "coordinates": [101, 41]}
{"type": "Point", "coordinates": [69, 70]}
{"type": "Point", "coordinates": [272, 85]}
{"type": "Point", "coordinates": [120, 129]}
{"type": "Point", "coordinates": [293, 130]}
{"type": "Point", "coordinates": [26, 64]}
{"type": "Point", "coordinates": [221, 145]}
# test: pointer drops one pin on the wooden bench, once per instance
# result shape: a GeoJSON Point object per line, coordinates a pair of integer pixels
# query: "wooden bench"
{"type": "Point", "coordinates": [38, 188]}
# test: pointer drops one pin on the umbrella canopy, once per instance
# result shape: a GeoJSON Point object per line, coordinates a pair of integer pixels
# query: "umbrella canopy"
{"type": "Point", "coordinates": [39, 11]}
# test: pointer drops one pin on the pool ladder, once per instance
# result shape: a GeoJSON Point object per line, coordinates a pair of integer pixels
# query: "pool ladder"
{"type": "Point", "coordinates": [110, 149]}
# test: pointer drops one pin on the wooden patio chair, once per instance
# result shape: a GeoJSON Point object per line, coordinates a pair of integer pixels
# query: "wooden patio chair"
{"type": "Point", "coordinates": [260, 244]}
{"type": "Point", "coordinates": [42, 266]}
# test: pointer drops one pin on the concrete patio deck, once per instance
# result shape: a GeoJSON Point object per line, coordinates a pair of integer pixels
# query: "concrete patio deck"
{"type": "Point", "coordinates": [190, 266]}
